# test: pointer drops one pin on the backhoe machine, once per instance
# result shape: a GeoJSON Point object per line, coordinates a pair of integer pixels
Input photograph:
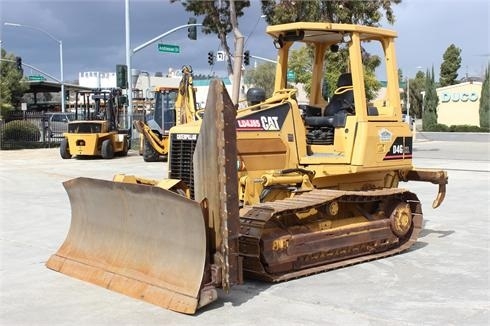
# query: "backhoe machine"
{"type": "Point", "coordinates": [173, 107]}
{"type": "Point", "coordinates": [274, 191]}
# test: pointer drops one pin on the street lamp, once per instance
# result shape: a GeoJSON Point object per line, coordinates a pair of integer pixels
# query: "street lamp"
{"type": "Point", "coordinates": [60, 43]}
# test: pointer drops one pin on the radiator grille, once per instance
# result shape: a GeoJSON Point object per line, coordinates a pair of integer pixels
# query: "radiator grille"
{"type": "Point", "coordinates": [180, 159]}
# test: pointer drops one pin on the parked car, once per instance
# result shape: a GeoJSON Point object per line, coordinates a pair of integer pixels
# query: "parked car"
{"type": "Point", "coordinates": [56, 123]}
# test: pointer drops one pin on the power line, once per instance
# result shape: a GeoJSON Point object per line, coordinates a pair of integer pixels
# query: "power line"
{"type": "Point", "coordinates": [253, 30]}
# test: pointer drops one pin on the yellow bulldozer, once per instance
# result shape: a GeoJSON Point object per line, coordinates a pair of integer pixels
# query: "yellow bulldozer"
{"type": "Point", "coordinates": [173, 107]}
{"type": "Point", "coordinates": [274, 191]}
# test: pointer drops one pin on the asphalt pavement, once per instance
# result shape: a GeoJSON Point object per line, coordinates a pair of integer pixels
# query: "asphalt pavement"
{"type": "Point", "coordinates": [442, 280]}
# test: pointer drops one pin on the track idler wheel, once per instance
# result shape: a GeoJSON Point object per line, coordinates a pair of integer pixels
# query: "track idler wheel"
{"type": "Point", "coordinates": [401, 219]}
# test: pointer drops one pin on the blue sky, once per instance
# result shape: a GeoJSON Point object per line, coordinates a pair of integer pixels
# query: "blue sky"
{"type": "Point", "coordinates": [93, 35]}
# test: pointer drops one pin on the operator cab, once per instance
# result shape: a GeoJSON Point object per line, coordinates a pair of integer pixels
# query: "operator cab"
{"type": "Point", "coordinates": [163, 118]}
{"type": "Point", "coordinates": [346, 58]}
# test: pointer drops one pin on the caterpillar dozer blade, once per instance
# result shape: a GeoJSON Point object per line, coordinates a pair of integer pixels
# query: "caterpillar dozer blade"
{"type": "Point", "coordinates": [134, 239]}
{"type": "Point", "coordinates": [154, 244]}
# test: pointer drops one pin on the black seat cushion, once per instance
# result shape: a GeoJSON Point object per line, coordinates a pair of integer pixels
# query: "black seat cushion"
{"type": "Point", "coordinates": [343, 99]}
{"type": "Point", "coordinates": [319, 121]}
{"type": "Point", "coordinates": [335, 121]}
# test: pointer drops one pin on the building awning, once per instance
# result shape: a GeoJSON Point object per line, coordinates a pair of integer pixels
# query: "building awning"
{"type": "Point", "coordinates": [44, 86]}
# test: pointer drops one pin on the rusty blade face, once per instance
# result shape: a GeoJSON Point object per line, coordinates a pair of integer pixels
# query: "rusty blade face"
{"type": "Point", "coordinates": [215, 177]}
{"type": "Point", "coordinates": [138, 240]}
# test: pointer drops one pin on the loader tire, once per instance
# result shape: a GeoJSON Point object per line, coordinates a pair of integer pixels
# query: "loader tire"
{"type": "Point", "coordinates": [149, 153]}
{"type": "Point", "coordinates": [64, 150]}
{"type": "Point", "coordinates": [107, 150]}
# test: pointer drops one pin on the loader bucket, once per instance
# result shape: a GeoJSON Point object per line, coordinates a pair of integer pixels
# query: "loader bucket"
{"type": "Point", "coordinates": [139, 240]}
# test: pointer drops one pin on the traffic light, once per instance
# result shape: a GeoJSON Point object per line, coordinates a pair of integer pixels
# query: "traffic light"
{"type": "Point", "coordinates": [122, 76]}
{"type": "Point", "coordinates": [192, 30]}
{"type": "Point", "coordinates": [210, 58]}
{"type": "Point", "coordinates": [18, 62]}
{"type": "Point", "coordinates": [246, 58]}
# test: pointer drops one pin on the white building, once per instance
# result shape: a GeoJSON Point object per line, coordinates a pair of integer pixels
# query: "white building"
{"type": "Point", "coordinates": [459, 104]}
{"type": "Point", "coordinates": [96, 79]}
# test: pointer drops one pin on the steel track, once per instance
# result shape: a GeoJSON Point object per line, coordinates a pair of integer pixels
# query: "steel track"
{"type": "Point", "coordinates": [256, 219]}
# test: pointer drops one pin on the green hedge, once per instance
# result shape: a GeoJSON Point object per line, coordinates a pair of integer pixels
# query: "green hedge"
{"type": "Point", "coordinates": [20, 130]}
{"type": "Point", "coordinates": [20, 134]}
{"type": "Point", "coordinates": [456, 128]}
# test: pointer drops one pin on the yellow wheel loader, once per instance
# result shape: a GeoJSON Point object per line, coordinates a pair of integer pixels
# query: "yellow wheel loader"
{"type": "Point", "coordinates": [274, 191]}
{"type": "Point", "coordinates": [173, 106]}
{"type": "Point", "coordinates": [98, 134]}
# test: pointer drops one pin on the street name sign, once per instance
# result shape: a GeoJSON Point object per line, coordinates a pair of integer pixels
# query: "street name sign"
{"type": "Point", "coordinates": [168, 48]}
{"type": "Point", "coordinates": [36, 78]}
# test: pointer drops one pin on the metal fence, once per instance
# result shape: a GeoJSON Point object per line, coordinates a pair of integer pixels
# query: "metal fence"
{"type": "Point", "coordinates": [42, 129]}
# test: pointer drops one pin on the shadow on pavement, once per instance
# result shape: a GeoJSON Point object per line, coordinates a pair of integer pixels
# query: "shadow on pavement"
{"type": "Point", "coordinates": [238, 295]}
{"type": "Point", "coordinates": [442, 234]}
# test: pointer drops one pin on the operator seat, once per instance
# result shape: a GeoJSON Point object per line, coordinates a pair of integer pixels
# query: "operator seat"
{"type": "Point", "coordinates": [343, 98]}
{"type": "Point", "coordinates": [340, 105]}
{"type": "Point", "coordinates": [321, 129]}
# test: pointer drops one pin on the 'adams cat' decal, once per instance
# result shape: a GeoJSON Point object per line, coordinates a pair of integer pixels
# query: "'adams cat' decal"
{"type": "Point", "coordinates": [267, 120]}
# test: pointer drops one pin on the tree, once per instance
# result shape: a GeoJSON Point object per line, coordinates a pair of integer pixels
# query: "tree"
{"type": "Point", "coordinates": [216, 20]}
{"type": "Point", "coordinates": [400, 75]}
{"type": "Point", "coordinates": [12, 87]}
{"type": "Point", "coordinates": [334, 11]}
{"type": "Point", "coordinates": [262, 76]}
{"type": "Point", "coordinates": [217, 13]}
{"type": "Point", "coordinates": [485, 100]}
{"type": "Point", "coordinates": [371, 83]}
{"type": "Point", "coordinates": [429, 116]}
{"type": "Point", "coordinates": [450, 66]}
{"type": "Point", "coordinates": [301, 64]}
{"type": "Point", "coordinates": [417, 85]}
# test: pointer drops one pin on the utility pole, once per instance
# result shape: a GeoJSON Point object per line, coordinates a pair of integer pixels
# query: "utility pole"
{"type": "Point", "coordinates": [128, 64]}
{"type": "Point", "coordinates": [238, 57]}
